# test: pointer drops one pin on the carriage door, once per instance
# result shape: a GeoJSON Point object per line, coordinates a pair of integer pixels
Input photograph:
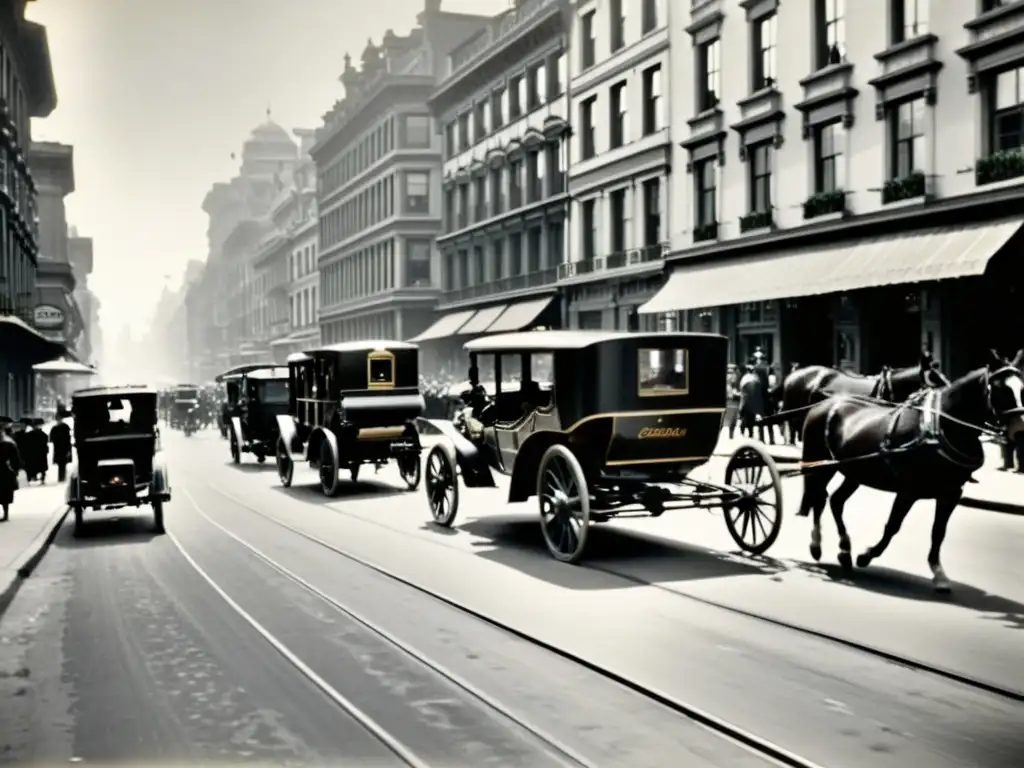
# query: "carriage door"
{"type": "Point", "coordinates": [508, 370]}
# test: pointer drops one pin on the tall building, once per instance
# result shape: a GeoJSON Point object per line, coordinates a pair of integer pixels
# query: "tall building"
{"type": "Point", "coordinates": [850, 200]}
{"type": "Point", "coordinates": [80, 255]}
{"type": "Point", "coordinates": [621, 163]}
{"type": "Point", "coordinates": [378, 161]}
{"type": "Point", "coordinates": [26, 90]}
{"type": "Point", "coordinates": [502, 107]}
{"type": "Point", "coordinates": [221, 305]}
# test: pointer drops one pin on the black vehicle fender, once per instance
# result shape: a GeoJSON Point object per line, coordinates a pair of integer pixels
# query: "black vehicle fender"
{"type": "Point", "coordinates": [236, 429]}
{"type": "Point", "coordinates": [476, 471]}
{"type": "Point", "coordinates": [527, 463]}
{"type": "Point", "coordinates": [71, 492]}
{"type": "Point", "coordinates": [316, 438]}
{"type": "Point", "coordinates": [289, 433]}
{"type": "Point", "coordinates": [160, 485]}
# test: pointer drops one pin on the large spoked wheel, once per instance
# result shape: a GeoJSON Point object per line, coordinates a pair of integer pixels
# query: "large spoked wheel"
{"type": "Point", "coordinates": [328, 469]}
{"type": "Point", "coordinates": [236, 451]}
{"type": "Point", "coordinates": [754, 519]}
{"type": "Point", "coordinates": [285, 465]}
{"type": "Point", "coordinates": [564, 504]}
{"type": "Point", "coordinates": [442, 486]}
{"type": "Point", "coordinates": [409, 469]}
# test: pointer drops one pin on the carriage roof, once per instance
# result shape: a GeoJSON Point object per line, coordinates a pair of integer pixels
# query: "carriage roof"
{"type": "Point", "coordinates": [297, 357]}
{"type": "Point", "coordinates": [272, 373]}
{"type": "Point", "coordinates": [243, 370]}
{"type": "Point", "coordinates": [128, 390]}
{"type": "Point", "coordinates": [544, 341]}
{"type": "Point", "coordinates": [368, 345]}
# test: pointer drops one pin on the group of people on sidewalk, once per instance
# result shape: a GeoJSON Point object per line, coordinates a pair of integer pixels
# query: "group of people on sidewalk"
{"type": "Point", "coordinates": [25, 447]}
{"type": "Point", "coordinates": [751, 395]}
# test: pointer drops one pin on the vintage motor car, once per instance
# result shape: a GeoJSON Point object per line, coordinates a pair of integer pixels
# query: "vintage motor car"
{"type": "Point", "coordinates": [118, 447]}
{"type": "Point", "coordinates": [598, 425]}
{"type": "Point", "coordinates": [185, 408]}
{"type": "Point", "coordinates": [352, 404]}
{"type": "Point", "coordinates": [260, 395]}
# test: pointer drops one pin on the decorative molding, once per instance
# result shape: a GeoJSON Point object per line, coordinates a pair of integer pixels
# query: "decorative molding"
{"type": "Point", "coordinates": [761, 116]}
{"type": "Point", "coordinates": [828, 96]}
{"type": "Point", "coordinates": [707, 138]}
{"type": "Point", "coordinates": [997, 42]}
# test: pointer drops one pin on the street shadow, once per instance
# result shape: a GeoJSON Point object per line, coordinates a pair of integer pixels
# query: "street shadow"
{"type": "Point", "coordinates": [894, 583]}
{"type": "Point", "coordinates": [311, 492]}
{"type": "Point", "coordinates": [441, 530]}
{"type": "Point", "coordinates": [123, 529]}
{"type": "Point", "coordinates": [616, 558]}
{"type": "Point", "coordinates": [251, 467]}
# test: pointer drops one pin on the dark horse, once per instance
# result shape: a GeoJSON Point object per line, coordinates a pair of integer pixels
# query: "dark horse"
{"type": "Point", "coordinates": [925, 448]}
{"type": "Point", "coordinates": [806, 386]}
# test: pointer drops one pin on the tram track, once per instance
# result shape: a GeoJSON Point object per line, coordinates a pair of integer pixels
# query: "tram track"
{"type": "Point", "coordinates": [867, 649]}
{"type": "Point", "coordinates": [754, 743]}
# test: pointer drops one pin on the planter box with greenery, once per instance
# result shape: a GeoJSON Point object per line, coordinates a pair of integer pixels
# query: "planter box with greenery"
{"type": "Point", "coordinates": [999, 166]}
{"type": "Point", "coordinates": [906, 188]}
{"type": "Point", "coordinates": [756, 220]}
{"type": "Point", "coordinates": [825, 203]}
{"type": "Point", "coordinates": [704, 232]}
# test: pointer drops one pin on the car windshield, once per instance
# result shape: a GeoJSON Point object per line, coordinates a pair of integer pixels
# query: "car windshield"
{"type": "Point", "coordinates": [109, 416]}
{"type": "Point", "coordinates": [273, 392]}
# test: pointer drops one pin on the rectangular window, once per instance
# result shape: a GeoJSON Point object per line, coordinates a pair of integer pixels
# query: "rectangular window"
{"type": "Point", "coordinates": [497, 109]}
{"type": "Point", "coordinates": [417, 192]}
{"type": "Point", "coordinates": [497, 193]}
{"type": "Point", "coordinates": [617, 24]}
{"type": "Point", "coordinates": [588, 46]}
{"type": "Point", "coordinates": [480, 120]}
{"type": "Point", "coordinates": [417, 131]}
{"type": "Point", "coordinates": [829, 141]}
{"type": "Point", "coordinates": [620, 219]}
{"type": "Point", "coordinates": [1007, 116]}
{"type": "Point", "coordinates": [417, 262]}
{"type": "Point", "coordinates": [556, 77]}
{"type": "Point", "coordinates": [589, 225]}
{"type": "Point", "coordinates": [662, 372]}
{"type": "Point", "coordinates": [706, 176]}
{"type": "Point", "coordinates": [536, 92]}
{"type": "Point", "coordinates": [587, 146]}
{"type": "Point", "coordinates": [450, 144]}
{"type": "Point", "coordinates": [765, 53]}
{"type": "Point", "coordinates": [515, 100]}
{"type": "Point", "coordinates": [652, 212]}
{"type": "Point", "coordinates": [760, 162]}
{"type": "Point", "coordinates": [464, 131]}
{"type": "Point", "coordinates": [830, 20]}
{"type": "Point", "coordinates": [908, 138]}
{"type": "Point", "coordinates": [652, 99]}
{"type": "Point", "coordinates": [709, 72]}
{"type": "Point", "coordinates": [649, 20]}
{"type": "Point", "coordinates": [617, 118]}
{"type": "Point", "coordinates": [909, 19]}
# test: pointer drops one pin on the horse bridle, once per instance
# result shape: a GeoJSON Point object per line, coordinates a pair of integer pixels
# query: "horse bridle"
{"type": "Point", "coordinates": [1006, 370]}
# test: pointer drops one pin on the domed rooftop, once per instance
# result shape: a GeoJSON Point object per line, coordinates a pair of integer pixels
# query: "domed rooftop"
{"type": "Point", "coordinates": [270, 133]}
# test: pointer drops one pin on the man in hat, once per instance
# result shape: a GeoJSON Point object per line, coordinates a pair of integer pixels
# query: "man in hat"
{"type": "Point", "coordinates": [10, 466]}
{"type": "Point", "coordinates": [60, 438]}
{"type": "Point", "coordinates": [35, 450]}
{"type": "Point", "coordinates": [764, 376]}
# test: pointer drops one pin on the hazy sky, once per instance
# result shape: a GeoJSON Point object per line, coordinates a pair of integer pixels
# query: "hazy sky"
{"type": "Point", "coordinates": [156, 95]}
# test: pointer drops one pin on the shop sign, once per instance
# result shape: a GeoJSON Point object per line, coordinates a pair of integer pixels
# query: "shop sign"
{"type": "Point", "coordinates": [47, 316]}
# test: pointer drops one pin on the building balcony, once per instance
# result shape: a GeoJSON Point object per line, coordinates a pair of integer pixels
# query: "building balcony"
{"type": "Point", "coordinates": [599, 266]}
{"type": "Point", "coordinates": [999, 166]}
{"type": "Point", "coordinates": [538, 279]}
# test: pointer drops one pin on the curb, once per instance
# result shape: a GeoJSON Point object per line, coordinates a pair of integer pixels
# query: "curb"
{"type": "Point", "coordinates": [33, 554]}
{"type": "Point", "coordinates": [1006, 507]}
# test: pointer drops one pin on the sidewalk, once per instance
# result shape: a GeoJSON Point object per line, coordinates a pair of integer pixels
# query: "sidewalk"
{"type": "Point", "coordinates": [995, 490]}
{"type": "Point", "coordinates": [35, 517]}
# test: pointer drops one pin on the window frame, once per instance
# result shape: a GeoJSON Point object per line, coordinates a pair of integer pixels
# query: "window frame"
{"type": "Point", "coordinates": [652, 96]}
{"type": "Point", "coordinates": [618, 122]}
{"type": "Point", "coordinates": [898, 142]}
{"type": "Point", "coordinates": [825, 159]}
{"type": "Point", "coordinates": [706, 195]}
{"type": "Point", "coordinates": [830, 30]}
{"type": "Point", "coordinates": [759, 180]}
{"type": "Point", "coordinates": [709, 75]}
{"type": "Point", "coordinates": [764, 56]}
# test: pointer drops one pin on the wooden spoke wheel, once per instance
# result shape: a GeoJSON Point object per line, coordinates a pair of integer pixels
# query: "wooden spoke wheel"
{"type": "Point", "coordinates": [755, 518]}
{"type": "Point", "coordinates": [409, 469]}
{"type": "Point", "coordinates": [328, 468]}
{"type": "Point", "coordinates": [564, 504]}
{"type": "Point", "coordinates": [236, 449]}
{"type": "Point", "coordinates": [442, 486]}
{"type": "Point", "coordinates": [285, 465]}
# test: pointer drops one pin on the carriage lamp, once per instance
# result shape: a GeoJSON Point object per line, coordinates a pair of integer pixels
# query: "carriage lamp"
{"type": "Point", "coordinates": [116, 480]}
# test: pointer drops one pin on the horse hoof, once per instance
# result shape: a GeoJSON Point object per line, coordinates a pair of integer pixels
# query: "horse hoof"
{"type": "Point", "coordinates": [816, 551]}
{"type": "Point", "coordinates": [846, 561]}
{"type": "Point", "coordinates": [863, 560]}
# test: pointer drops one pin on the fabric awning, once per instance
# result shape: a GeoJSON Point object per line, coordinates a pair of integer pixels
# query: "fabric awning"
{"type": "Point", "coordinates": [482, 320]}
{"type": "Point", "coordinates": [445, 326]}
{"type": "Point", "coordinates": [933, 254]}
{"type": "Point", "coordinates": [519, 316]}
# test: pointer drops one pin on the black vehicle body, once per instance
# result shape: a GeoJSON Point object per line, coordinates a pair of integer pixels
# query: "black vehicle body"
{"type": "Point", "coordinates": [352, 404]}
{"type": "Point", "coordinates": [624, 414]}
{"type": "Point", "coordinates": [257, 395]}
{"type": "Point", "coordinates": [119, 461]}
{"type": "Point", "coordinates": [184, 407]}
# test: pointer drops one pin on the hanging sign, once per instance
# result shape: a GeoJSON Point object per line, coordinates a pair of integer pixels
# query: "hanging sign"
{"type": "Point", "coordinates": [47, 316]}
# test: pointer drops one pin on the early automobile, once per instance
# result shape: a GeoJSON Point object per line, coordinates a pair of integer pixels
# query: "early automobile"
{"type": "Point", "coordinates": [185, 408]}
{"type": "Point", "coordinates": [258, 394]}
{"type": "Point", "coordinates": [352, 404]}
{"type": "Point", "coordinates": [118, 448]}
{"type": "Point", "coordinates": [599, 425]}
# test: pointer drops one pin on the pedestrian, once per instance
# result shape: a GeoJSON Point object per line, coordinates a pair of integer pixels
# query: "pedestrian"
{"type": "Point", "coordinates": [764, 375]}
{"type": "Point", "coordinates": [60, 438]}
{"type": "Point", "coordinates": [10, 466]}
{"type": "Point", "coordinates": [732, 399]}
{"type": "Point", "coordinates": [752, 403]}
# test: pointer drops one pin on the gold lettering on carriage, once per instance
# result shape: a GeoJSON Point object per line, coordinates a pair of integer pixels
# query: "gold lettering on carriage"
{"type": "Point", "coordinates": [648, 433]}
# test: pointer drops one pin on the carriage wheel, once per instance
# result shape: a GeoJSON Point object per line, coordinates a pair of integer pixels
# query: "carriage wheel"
{"type": "Point", "coordinates": [442, 486]}
{"type": "Point", "coordinates": [285, 465]}
{"type": "Point", "coordinates": [328, 469]}
{"type": "Point", "coordinates": [564, 504]}
{"type": "Point", "coordinates": [236, 453]}
{"type": "Point", "coordinates": [158, 516]}
{"type": "Point", "coordinates": [409, 469]}
{"type": "Point", "coordinates": [755, 519]}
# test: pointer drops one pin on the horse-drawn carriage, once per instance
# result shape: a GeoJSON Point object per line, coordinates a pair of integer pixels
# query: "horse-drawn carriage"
{"type": "Point", "coordinates": [257, 395]}
{"type": "Point", "coordinates": [352, 404]}
{"type": "Point", "coordinates": [618, 430]}
{"type": "Point", "coordinates": [184, 408]}
{"type": "Point", "coordinates": [118, 446]}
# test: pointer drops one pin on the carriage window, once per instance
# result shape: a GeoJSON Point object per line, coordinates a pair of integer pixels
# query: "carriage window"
{"type": "Point", "coordinates": [273, 392]}
{"type": "Point", "coordinates": [542, 367]}
{"type": "Point", "coordinates": [662, 372]}
{"type": "Point", "coordinates": [511, 372]}
{"type": "Point", "coordinates": [380, 371]}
